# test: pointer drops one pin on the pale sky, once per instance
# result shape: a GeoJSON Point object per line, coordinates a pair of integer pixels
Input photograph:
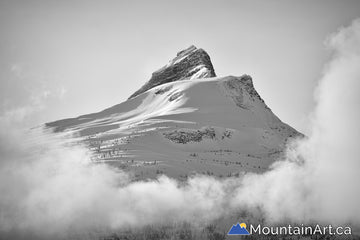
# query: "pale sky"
{"type": "Point", "coordinates": [78, 57]}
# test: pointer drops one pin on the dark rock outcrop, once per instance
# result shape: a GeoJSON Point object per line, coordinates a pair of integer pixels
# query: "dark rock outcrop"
{"type": "Point", "coordinates": [191, 63]}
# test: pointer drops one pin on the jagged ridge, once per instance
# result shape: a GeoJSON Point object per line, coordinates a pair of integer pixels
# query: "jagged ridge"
{"type": "Point", "coordinates": [191, 63]}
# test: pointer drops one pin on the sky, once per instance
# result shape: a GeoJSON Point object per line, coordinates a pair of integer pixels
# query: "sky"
{"type": "Point", "coordinates": [67, 58]}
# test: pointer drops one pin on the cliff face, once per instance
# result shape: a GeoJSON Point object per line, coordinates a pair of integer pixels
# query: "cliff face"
{"type": "Point", "coordinates": [191, 63]}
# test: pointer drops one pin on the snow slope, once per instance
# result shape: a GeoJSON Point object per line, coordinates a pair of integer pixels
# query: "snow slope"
{"type": "Point", "coordinates": [217, 126]}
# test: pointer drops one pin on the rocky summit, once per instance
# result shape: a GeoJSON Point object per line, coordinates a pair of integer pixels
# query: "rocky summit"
{"type": "Point", "coordinates": [191, 63]}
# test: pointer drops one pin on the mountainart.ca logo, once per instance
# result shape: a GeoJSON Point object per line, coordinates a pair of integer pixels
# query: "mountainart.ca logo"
{"type": "Point", "coordinates": [238, 229]}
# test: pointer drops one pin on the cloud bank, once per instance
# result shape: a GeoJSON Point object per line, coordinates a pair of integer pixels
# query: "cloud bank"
{"type": "Point", "coordinates": [49, 187]}
{"type": "Point", "coordinates": [319, 179]}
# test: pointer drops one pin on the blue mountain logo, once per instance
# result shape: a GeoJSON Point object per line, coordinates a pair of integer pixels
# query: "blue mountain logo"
{"type": "Point", "coordinates": [238, 229]}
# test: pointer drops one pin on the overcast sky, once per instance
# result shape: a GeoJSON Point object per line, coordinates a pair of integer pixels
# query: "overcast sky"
{"type": "Point", "coordinates": [77, 57]}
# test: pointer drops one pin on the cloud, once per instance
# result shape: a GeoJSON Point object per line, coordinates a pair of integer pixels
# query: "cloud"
{"type": "Point", "coordinates": [318, 181]}
{"type": "Point", "coordinates": [45, 182]}
{"type": "Point", "coordinates": [26, 89]}
{"type": "Point", "coordinates": [49, 187]}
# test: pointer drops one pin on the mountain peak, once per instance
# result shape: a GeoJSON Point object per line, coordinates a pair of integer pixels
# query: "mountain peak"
{"type": "Point", "coordinates": [190, 63]}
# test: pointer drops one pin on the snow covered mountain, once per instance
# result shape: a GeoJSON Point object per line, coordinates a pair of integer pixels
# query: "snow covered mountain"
{"type": "Point", "coordinates": [185, 120]}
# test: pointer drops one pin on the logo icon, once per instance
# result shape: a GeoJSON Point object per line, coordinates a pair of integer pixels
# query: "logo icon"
{"type": "Point", "coordinates": [238, 229]}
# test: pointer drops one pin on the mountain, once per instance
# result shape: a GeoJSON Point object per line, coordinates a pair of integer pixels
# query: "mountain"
{"type": "Point", "coordinates": [185, 121]}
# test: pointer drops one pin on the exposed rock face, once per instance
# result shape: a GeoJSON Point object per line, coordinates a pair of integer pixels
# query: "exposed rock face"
{"type": "Point", "coordinates": [185, 136]}
{"type": "Point", "coordinates": [191, 63]}
{"type": "Point", "coordinates": [235, 87]}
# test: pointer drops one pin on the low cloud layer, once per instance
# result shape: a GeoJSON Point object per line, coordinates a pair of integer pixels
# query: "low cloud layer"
{"type": "Point", "coordinates": [48, 186]}
{"type": "Point", "coordinates": [51, 189]}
